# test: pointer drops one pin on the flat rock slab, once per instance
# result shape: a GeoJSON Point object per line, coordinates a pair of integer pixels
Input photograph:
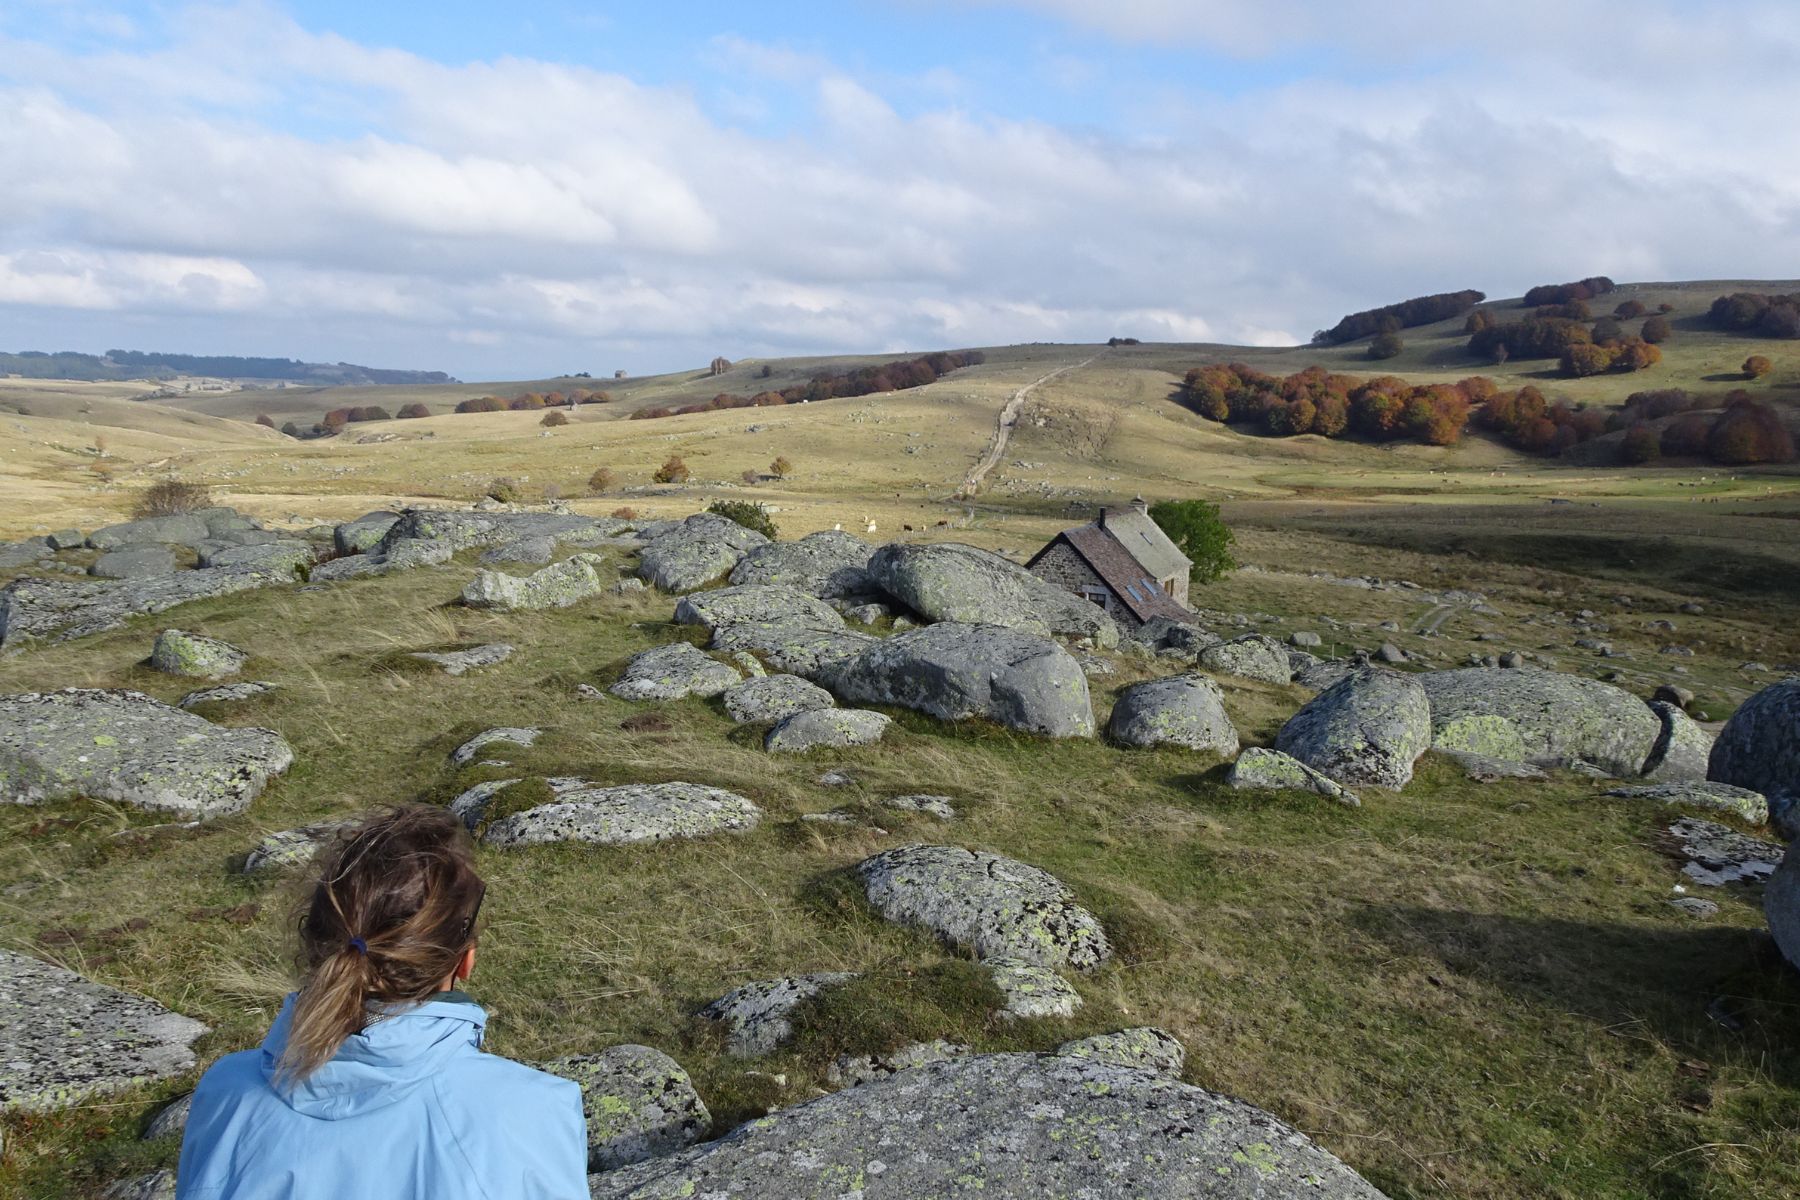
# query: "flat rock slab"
{"type": "Point", "coordinates": [456, 662]}
{"type": "Point", "coordinates": [62, 609]}
{"type": "Point", "coordinates": [1257, 769]}
{"type": "Point", "coordinates": [291, 847]}
{"type": "Point", "coordinates": [64, 1039]}
{"type": "Point", "coordinates": [947, 581]}
{"type": "Point", "coordinates": [941, 807]}
{"type": "Point", "coordinates": [559, 585]}
{"type": "Point", "coordinates": [1142, 1049]}
{"type": "Point", "coordinates": [125, 747]}
{"type": "Point", "coordinates": [524, 550]}
{"type": "Point", "coordinates": [638, 1102]}
{"type": "Point", "coordinates": [276, 557]}
{"type": "Point", "coordinates": [830, 728]}
{"type": "Point", "coordinates": [650, 812]}
{"type": "Point", "coordinates": [696, 552]}
{"type": "Point", "coordinates": [756, 604]}
{"type": "Point", "coordinates": [134, 562]}
{"type": "Point", "coordinates": [794, 649]}
{"type": "Point", "coordinates": [1032, 990]}
{"type": "Point", "coordinates": [1004, 1127]}
{"type": "Point", "coordinates": [757, 1015]}
{"type": "Point", "coordinates": [230, 693]}
{"type": "Point", "coordinates": [466, 753]}
{"type": "Point", "coordinates": [194, 656]}
{"type": "Point", "coordinates": [672, 672]}
{"type": "Point", "coordinates": [1740, 802]}
{"type": "Point", "coordinates": [1183, 710]}
{"type": "Point", "coordinates": [996, 907]}
{"type": "Point", "coordinates": [854, 1070]}
{"type": "Point", "coordinates": [1714, 855]}
{"type": "Point", "coordinates": [827, 564]}
{"type": "Point", "coordinates": [1524, 714]}
{"type": "Point", "coordinates": [463, 529]}
{"type": "Point", "coordinates": [1366, 729]}
{"type": "Point", "coordinates": [773, 697]}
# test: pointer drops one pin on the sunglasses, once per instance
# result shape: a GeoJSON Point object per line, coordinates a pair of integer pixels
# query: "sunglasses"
{"type": "Point", "coordinates": [468, 926]}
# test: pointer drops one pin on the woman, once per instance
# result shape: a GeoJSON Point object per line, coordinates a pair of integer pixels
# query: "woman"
{"type": "Point", "coordinates": [371, 1083]}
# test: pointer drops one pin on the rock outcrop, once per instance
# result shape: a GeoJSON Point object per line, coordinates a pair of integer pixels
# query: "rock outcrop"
{"type": "Point", "coordinates": [946, 581]}
{"type": "Point", "coordinates": [828, 565]}
{"type": "Point", "coordinates": [509, 735]}
{"type": "Point", "coordinates": [68, 1039]}
{"type": "Point", "coordinates": [638, 1102]}
{"type": "Point", "coordinates": [611, 816]}
{"type": "Point", "coordinates": [456, 662]}
{"type": "Point", "coordinates": [556, 586]}
{"type": "Point", "coordinates": [1183, 710]}
{"type": "Point", "coordinates": [1004, 1127]}
{"type": "Point", "coordinates": [956, 671]}
{"type": "Point", "coordinates": [291, 847]}
{"type": "Point", "coordinates": [993, 906]}
{"type": "Point", "coordinates": [134, 562]}
{"type": "Point", "coordinates": [1529, 715]}
{"type": "Point", "coordinates": [793, 631]}
{"type": "Point", "coordinates": [696, 552]}
{"type": "Point", "coordinates": [127, 748]}
{"type": "Point", "coordinates": [672, 672]}
{"type": "Point", "coordinates": [1682, 748]}
{"type": "Point", "coordinates": [1366, 729]}
{"type": "Point", "coordinates": [62, 609]}
{"type": "Point", "coordinates": [1030, 990]}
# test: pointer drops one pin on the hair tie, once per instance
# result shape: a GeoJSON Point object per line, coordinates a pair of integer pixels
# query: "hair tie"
{"type": "Point", "coordinates": [360, 946]}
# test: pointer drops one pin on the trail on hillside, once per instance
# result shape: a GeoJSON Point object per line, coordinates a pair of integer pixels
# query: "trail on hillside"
{"type": "Point", "coordinates": [1009, 417]}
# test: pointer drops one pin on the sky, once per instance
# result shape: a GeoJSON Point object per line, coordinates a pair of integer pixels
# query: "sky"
{"type": "Point", "coordinates": [510, 191]}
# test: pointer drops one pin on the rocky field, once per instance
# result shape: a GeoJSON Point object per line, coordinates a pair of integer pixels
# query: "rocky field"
{"type": "Point", "coordinates": [831, 866]}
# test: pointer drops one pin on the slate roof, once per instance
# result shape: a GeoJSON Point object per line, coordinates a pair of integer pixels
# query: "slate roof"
{"type": "Point", "coordinates": [1121, 572]}
{"type": "Point", "coordinates": [1145, 541]}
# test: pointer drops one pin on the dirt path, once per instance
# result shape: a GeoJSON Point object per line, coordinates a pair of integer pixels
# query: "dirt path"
{"type": "Point", "coordinates": [1009, 417]}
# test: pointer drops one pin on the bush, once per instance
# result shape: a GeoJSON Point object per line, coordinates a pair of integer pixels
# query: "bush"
{"type": "Point", "coordinates": [1630, 310]}
{"type": "Point", "coordinates": [602, 480]}
{"type": "Point", "coordinates": [481, 404]}
{"type": "Point", "coordinates": [1385, 345]}
{"type": "Point", "coordinates": [626, 513]}
{"type": "Point", "coordinates": [506, 490]}
{"type": "Point", "coordinates": [1420, 310]}
{"type": "Point", "coordinates": [1756, 366]}
{"type": "Point", "coordinates": [553, 419]}
{"type": "Point", "coordinates": [171, 497]}
{"type": "Point", "coordinates": [265, 420]}
{"type": "Point", "coordinates": [1641, 445]}
{"type": "Point", "coordinates": [1196, 527]}
{"type": "Point", "coordinates": [748, 514]}
{"type": "Point", "coordinates": [1479, 320]}
{"type": "Point", "coordinates": [1657, 330]}
{"type": "Point", "coordinates": [1563, 293]}
{"type": "Point", "coordinates": [672, 471]}
{"type": "Point", "coordinates": [1749, 432]}
{"type": "Point", "coordinates": [413, 412]}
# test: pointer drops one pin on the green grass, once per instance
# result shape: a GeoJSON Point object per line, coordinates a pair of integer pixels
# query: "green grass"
{"type": "Point", "coordinates": [1463, 990]}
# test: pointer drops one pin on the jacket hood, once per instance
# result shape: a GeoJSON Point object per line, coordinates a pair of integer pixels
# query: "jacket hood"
{"type": "Point", "coordinates": [384, 1063]}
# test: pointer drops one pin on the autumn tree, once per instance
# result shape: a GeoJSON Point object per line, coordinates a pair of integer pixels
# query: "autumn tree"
{"type": "Point", "coordinates": [780, 467]}
{"type": "Point", "coordinates": [602, 480]}
{"type": "Point", "coordinates": [554, 418]}
{"type": "Point", "coordinates": [1656, 330]}
{"type": "Point", "coordinates": [1582, 360]}
{"type": "Point", "coordinates": [1756, 366]}
{"type": "Point", "coordinates": [672, 471]}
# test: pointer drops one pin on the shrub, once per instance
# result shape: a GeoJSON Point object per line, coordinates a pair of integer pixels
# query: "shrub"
{"type": "Point", "coordinates": [1657, 329]}
{"type": "Point", "coordinates": [1421, 310]}
{"type": "Point", "coordinates": [265, 420]}
{"type": "Point", "coordinates": [746, 513]}
{"type": "Point", "coordinates": [1756, 366]}
{"type": "Point", "coordinates": [171, 497]}
{"type": "Point", "coordinates": [1630, 310]}
{"type": "Point", "coordinates": [1584, 360]}
{"type": "Point", "coordinates": [751, 477]}
{"type": "Point", "coordinates": [626, 513]}
{"type": "Point", "coordinates": [672, 471]}
{"type": "Point", "coordinates": [1385, 345]}
{"type": "Point", "coordinates": [506, 490]}
{"type": "Point", "coordinates": [413, 412]}
{"type": "Point", "coordinates": [780, 467]}
{"type": "Point", "coordinates": [481, 404]}
{"type": "Point", "coordinates": [1196, 527]}
{"type": "Point", "coordinates": [553, 419]}
{"type": "Point", "coordinates": [1635, 354]}
{"type": "Point", "coordinates": [1749, 432]}
{"type": "Point", "coordinates": [1641, 445]}
{"type": "Point", "coordinates": [602, 480]}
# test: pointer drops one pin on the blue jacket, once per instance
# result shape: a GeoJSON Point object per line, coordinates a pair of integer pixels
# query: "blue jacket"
{"type": "Point", "coordinates": [409, 1109]}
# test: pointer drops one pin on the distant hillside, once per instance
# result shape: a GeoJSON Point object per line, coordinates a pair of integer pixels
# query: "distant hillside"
{"type": "Point", "coordinates": [139, 364]}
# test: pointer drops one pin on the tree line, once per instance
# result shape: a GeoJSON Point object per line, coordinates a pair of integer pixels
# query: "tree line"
{"type": "Point", "coordinates": [1757, 313]}
{"type": "Point", "coordinates": [1391, 318]}
{"type": "Point", "coordinates": [830, 385]}
{"type": "Point", "coordinates": [1384, 409]}
{"type": "Point", "coordinates": [1735, 430]}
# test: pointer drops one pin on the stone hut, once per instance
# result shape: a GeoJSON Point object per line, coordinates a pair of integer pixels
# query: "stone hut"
{"type": "Point", "coordinates": [1121, 561]}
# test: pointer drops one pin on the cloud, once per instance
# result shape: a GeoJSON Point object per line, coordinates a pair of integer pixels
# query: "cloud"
{"type": "Point", "coordinates": [260, 180]}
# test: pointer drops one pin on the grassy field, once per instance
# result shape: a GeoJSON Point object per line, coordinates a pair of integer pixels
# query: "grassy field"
{"type": "Point", "coordinates": [1465, 990]}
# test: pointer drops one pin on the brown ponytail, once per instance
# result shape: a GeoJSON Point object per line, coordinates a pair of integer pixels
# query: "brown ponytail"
{"type": "Point", "coordinates": [390, 916]}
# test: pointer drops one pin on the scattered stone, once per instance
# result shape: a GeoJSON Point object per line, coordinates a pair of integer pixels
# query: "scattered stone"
{"type": "Point", "coordinates": [1183, 710]}
{"type": "Point", "coordinates": [467, 753]}
{"type": "Point", "coordinates": [996, 907]}
{"type": "Point", "coordinates": [559, 585]}
{"type": "Point", "coordinates": [291, 847]}
{"type": "Point", "coordinates": [629, 584]}
{"type": "Point", "coordinates": [171, 1121]}
{"type": "Point", "coordinates": [1512, 660]}
{"type": "Point", "coordinates": [756, 1016]}
{"type": "Point", "coordinates": [672, 672]}
{"type": "Point", "coordinates": [831, 727]}
{"type": "Point", "coordinates": [68, 1039]}
{"type": "Point", "coordinates": [1305, 639]}
{"type": "Point", "coordinates": [773, 698]}
{"type": "Point", "coordinates": [1740, 802]}
{"type": "Point", "coordinates": [748, 663]}
{"type": "Point", "coordinates": [1694, 906]}
{"type": "Point", "coordinates": [1368, 728]}
{"type": "Point", "coordinates": [957, 671]}
{"type": "Point", "coordinates": [364, 533]}
{"type": "Point", "coordinates": [127, 748]}
{"type": "Point", "coordinates": [456, 662]}
{"type": "Point", "coordinates": [1142, 1049]}
{"type": "Point", "coordinates": [1482, 769]}
{"type": "Point", "coordinates": [866, 614]}
{"type": "Point", "coordinates": [230, 693]}
{"type": "Point", "coordinates": [850, 1071]}
{"type": "Point", "coordinates": [1540, 717]}
{"type": "Point", "coordinates": [696, 552]}
{"type": "Point", "coordinates": [1251, 656]}
{"type": "Point", "coordinates": [1032, 990]}
{"type": "Point", "coordinates": [635, 813]}
{"type": "Point", "coordinates": [1390, 653]}
{"type": "Point", "coordinates": [189, 654]}
{"type": "Point", "coordinates": [639, 1104]}
{"type": "Point", "coordinates": [1270, 770]}
{"type": "Point", "coordinates": [946, 581]}
{"type": "Point", "coordinates": [134, 562]}
{"type": "Point", "coordinates": [1715, 855]}
{"type": "Point", "coordinates": [827, 564]}
{"type": "Point", "coordinates": [834, 779]}
{"type": "Point", "coordinates": [941, 807]}
{"type": "Point", "coordinates": [1009, 1127]}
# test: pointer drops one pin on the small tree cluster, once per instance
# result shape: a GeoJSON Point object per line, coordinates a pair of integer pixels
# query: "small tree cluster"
{"type": "Point", "coordinates": [1391, 318]}
{"type": "Point", "coordinates": [863, 381]}
{"type": "Point", "coordinates": [1614, 354]}
{"type": "Point", "coordinates": [265, 420]}
{"type": "Point", "coordinates": [748, 514]}
{"type": "Point", "coordinates": [1534, 337]}
{"type": "Point", "coordinates": [413, 412]}
{"type": "Point", "coordinates": [781, 467]}
{"type": "Point", "coordinates": [672, 471]}
{"type": "Point", "coordinates": [1774, 316]}
{"type": "Point", "coordinates": [339, 417]}
{"type": "Point", "coordinates": [1562, 293]}
{"type": "Point", "coordinates": [1568, 310]}
{"type": "Point", "coordinates": [1316, 401]}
